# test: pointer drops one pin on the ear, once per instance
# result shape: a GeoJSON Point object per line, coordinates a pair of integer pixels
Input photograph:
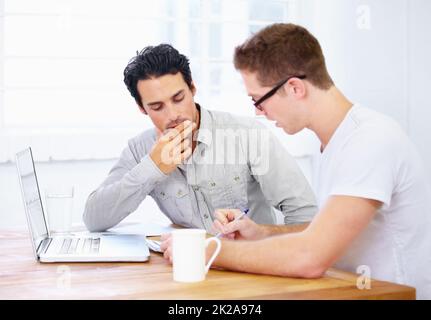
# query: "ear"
{"type": "Point", "coordinates": [193, 88]}
{"type": "Point", "coordinates": [297, 87]}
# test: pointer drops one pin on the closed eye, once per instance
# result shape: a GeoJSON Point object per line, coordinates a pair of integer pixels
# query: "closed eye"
{"type": "Point", "coordinates": [178, 97]}
{"type": "Point", "coordinates": [156, 107]}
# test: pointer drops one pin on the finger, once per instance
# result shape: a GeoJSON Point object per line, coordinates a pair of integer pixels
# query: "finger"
{"type": "Point", "coordinates": [184, 128]}
{"type": "Point", "coordinates": [165, 245]}
{"type": "Point", "coordinates": [172, 133]}
{"type": "Point", "coordinates": [165, 236]}
{"type": "Point", "coordinates": [169, 255]}
{"type": "Point", "coordinates": [177, 150]}
{"type": "Point", "coordinates": [233, 226]}
{"type": "Point", "coordinates": [166, 241]}
{"type": "Point", "coordinates": [176, 155]}
{"type": "Point", "coordinates": [221, 216]}
{"type": "Point", "coordinates": [230, 236]}
{"type": "Point", "coordinates": [168, 135]}
{"type": "Point", "coordinates": [170, 150]}
{"type": "Point", "coordinates": [175, 142]}
{"type": "Point", "coordinates": [217, 227]}
{"type": "Point", "coordinates": [183, 125]}
{"type": "Point", "coordinates": [180, 158]}
{"type": "Point", "coordinates": [166, 254]}
{"type": "Point", "coordinates": [227, 215]}
{"type": "Point", "coordinates": [187, 132]}
{"type": "Point", "coordinates": [232, 214]}
{"type": "Point", "coordinates": [185, 155]}
{"type": "Point", "coordinates": [179, 137]}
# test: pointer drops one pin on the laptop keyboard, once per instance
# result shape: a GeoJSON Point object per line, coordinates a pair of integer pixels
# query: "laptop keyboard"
{"type": "Point", "coordinates": [80, 246]}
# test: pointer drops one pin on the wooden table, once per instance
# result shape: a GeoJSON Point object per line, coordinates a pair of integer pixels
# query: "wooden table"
{"type": "Point", "coordinates": [21, 277]}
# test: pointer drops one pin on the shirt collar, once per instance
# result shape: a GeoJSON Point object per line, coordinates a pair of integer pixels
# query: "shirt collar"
{"type": "Point", "coordinates": [205, 126]}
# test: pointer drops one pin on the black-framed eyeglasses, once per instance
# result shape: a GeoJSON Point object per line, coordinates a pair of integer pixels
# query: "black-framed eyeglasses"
{"type": "Point", "coordinates": [271, 92]}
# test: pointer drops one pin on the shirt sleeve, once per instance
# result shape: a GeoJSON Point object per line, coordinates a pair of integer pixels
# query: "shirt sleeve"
{"type": "Point", "coordinates": [366, 168]}
{"type": "Point", "coordinates": [126, 186]}
{"type": "Point", "coordinates": [282, 181]}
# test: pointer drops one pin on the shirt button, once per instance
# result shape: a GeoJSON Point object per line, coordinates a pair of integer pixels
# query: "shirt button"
{"type": "Point", "coordinates": [206, 216]}
{"type": "Point", "coordinates": [213, 184]}
{"type": "Point", "coordinates": [236, 178]}
{"type": "Point", "coordinates": [162, 193]}
{"type": "Point", "coordinates": [179, 193]}
{"type": "Point", "coordinates": [196, 188]}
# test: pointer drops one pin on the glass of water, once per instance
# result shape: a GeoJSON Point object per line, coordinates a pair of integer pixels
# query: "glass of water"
{"type": "Point", "coordinates": [59, 206]}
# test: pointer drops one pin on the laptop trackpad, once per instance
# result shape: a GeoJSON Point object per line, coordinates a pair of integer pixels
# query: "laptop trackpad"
{"type": "Point", "coordinates": [123, 245]}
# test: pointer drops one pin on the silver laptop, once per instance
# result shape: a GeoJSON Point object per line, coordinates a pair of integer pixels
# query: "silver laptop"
{"type": "Point", "coordinates": [87, 247]}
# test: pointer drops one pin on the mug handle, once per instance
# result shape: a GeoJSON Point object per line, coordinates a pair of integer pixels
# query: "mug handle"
{"type": "Point", "coordinates": [216, 252]}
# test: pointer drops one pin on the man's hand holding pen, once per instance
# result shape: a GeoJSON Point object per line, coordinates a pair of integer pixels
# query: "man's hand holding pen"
{"type": "Point", "coordinates": [234, 224]}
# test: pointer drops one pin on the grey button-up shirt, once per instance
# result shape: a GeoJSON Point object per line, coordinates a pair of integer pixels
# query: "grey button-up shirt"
{"type": "Point", "coordinates": [237, 163]}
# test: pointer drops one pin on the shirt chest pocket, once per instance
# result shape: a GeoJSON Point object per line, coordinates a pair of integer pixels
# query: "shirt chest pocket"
{"type": "Point", "coordinates": [215, 195]}
{"type": "Point", "coordinates": [238, 181]}
{"type": "Point", "coordinates": [174, 200]}
{"type": "Point", "coordinates": [231, 192]}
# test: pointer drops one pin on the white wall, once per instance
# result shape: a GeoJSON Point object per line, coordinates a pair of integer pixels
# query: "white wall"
{"type": "Point", "coordinates": [378, 53]}
{"type": "Point", "coordinates": [419, 77]}
{"type": "Point", "coordinates": [85, 176]}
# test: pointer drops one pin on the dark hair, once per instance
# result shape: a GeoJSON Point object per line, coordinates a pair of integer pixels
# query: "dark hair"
{"type": "Point", "coordinates": [155, 62]}
{"type": "Point", "coordinates": [280, 50]}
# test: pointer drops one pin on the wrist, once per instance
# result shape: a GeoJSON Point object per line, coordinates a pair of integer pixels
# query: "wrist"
{"type": "Point", "coordinates": [263, 231]}
{"type": "Point", "coordinates": [165, 169]}
{"type": "Point", "coordinates": [147, 170]}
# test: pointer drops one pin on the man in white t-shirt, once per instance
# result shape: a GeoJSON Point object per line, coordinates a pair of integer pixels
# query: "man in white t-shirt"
{"type": "Point", "coordinates": [375, 209]}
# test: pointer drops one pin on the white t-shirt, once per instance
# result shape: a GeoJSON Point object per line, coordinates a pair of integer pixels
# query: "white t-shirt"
{"type": "Point", "coordinates": [369, 156]}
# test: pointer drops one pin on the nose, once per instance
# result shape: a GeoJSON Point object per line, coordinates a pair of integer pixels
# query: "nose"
{"type": "Point", "coordinates": [259, 112]}
{"type": "Point", "coordinates": [172, 116]}
{"type": "Point", "coordinates": [172, 113]}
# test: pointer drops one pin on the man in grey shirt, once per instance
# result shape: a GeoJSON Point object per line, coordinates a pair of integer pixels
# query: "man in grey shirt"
{"type": "Point", "coordinates": [196, 160]}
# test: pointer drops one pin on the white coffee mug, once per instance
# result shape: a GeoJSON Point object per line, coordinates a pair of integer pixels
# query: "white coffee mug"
{"type": "Point", "coordinates": [188, 254]}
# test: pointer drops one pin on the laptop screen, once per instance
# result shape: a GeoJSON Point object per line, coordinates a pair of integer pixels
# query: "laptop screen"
{"type": "Point", "coordinates": [31, 196]}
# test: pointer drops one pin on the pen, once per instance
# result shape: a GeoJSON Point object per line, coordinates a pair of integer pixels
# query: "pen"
{"type": "Point", "coordinates": [218, 235]}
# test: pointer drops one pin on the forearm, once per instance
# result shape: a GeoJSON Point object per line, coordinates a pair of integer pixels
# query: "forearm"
{"type": "Point", "coordinates": [308, 253]}
{"type": "Point", "coordinates": [115, 199]}
{"type": "Point", "coordinates": [277, 229]}
{"type": "Point", "coordinates": [110, 204]}
{"type": "Point", "coordinates": [285, 255]}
